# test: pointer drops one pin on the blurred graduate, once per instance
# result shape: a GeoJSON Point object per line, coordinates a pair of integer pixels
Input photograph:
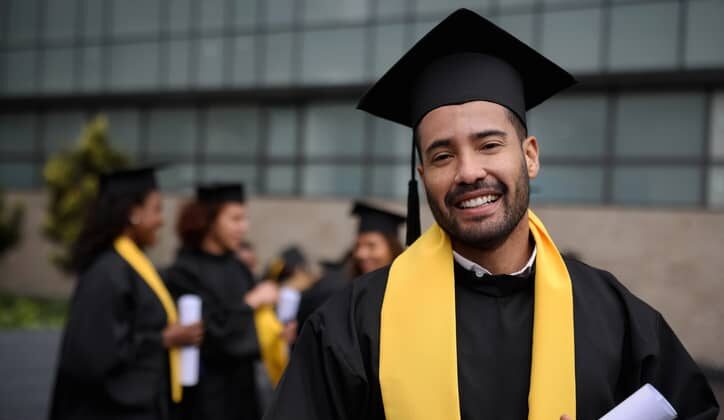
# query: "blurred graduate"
{"type": "Point", "coordinates": [119, 354]}
{"type": "Point", "coordinates": [238, 315]}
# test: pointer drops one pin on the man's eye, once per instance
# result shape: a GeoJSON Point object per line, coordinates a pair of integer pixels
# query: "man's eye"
{"type": "Point", "coordinates": [441, 157]}
{"type": "Point", "coordinates": [490, 146]}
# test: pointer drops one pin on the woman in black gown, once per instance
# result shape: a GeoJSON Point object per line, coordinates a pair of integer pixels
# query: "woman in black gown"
{"type": "Point", "coordinates": [121, 331]}
{"type": "Point", "coordinates": [211, 229]}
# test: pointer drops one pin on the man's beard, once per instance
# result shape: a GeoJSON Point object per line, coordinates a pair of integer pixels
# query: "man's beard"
{"type": "Point", "coordinates": [478, 236]}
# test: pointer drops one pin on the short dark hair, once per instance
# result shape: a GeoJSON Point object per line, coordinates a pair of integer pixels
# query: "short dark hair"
{"type": "Point", "coordinates": [520, 130]}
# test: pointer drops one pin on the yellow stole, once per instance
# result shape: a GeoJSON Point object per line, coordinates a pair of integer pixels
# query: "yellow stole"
{"type": "Point", "coordinates": [128, 250]}
{"type": "Point", "coordinates": [274, 350]}
{"type": "Point", "coordinates": [419, 307]}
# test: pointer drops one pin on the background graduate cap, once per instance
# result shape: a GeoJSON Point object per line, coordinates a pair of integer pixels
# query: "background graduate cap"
{"type": "Point", "coordinates": [220, 192]}
{"type": "Point", "coordinates": [129, 181]}
{"type": "Point", "coordinates": [375, 219]}
{"type": "Point", "coordinates": [464, 58]}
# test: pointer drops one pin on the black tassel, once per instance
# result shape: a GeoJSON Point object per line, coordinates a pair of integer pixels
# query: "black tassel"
{"type": "Point", "coordinates": [413, 212]}
{"type": "Point", "coordinates": [413, 203]}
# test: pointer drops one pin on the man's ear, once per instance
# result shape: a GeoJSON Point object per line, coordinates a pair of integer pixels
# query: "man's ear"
{"type": "Point", "coordinates": [530, 153]}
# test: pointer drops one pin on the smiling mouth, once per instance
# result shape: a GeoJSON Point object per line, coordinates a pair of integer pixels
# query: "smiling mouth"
{"type": "Point", "coordinates": [479, 201]}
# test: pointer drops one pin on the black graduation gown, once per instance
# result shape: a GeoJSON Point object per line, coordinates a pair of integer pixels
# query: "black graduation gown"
{"type": "Point", "coordinates": [334, 280]}
{"type": "Point", "coordinates": [227, 387]}
{"type": "Point", "coordinates": [112, 363]}
{"type": "Point", "coordinates": [621, 343]}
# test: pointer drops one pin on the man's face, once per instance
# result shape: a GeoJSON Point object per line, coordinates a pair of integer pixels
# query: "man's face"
{"type": "Point", "coordinates": [476, 171]}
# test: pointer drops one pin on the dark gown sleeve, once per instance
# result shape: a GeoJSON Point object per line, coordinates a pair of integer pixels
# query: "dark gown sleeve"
{"type": "Point", "coordinates": [105, 344]}
{"type": "Point", "coordinates": [332, 372]}
{"type": "Point", "coordinates": [664, 363]}
{"type": "Point", "coordinates": [229, 329]}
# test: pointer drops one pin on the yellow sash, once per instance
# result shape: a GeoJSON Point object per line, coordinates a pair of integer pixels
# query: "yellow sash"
{"type": "Point", "coordinates": [128, 250]}
{"type": "Point", "coordinates": [419, 307]}
{"type": "Point", "coordinates": [274, 350]}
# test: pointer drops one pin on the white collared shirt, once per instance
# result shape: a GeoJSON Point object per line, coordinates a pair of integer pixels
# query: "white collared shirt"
{"type": "Point", "coordinates": [481, 271]}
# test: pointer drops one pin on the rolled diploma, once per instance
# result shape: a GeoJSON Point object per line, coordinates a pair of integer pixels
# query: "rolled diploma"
{"type": "Point", "coordinates": [189, 308]}
{"type": "Point", "coordinates": [646, 403]}
{"type": "Point", "coordinates": [288, 304]}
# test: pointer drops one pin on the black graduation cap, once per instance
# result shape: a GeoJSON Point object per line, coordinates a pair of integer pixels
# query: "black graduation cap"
{"type": "Point", "coordinates": [128, 181]}
{"type": "Point", "coordinates": [284, 265]}
{"type": "Point", "coordinates": [464, 58]}
{"type": "Point", "coordinates": [375, 219]}
{"type": "Point", "coordinates": [220, 193]}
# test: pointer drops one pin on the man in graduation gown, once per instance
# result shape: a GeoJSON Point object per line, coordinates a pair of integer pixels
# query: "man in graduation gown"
{"type": "Point", "coordinates": [481, 317]}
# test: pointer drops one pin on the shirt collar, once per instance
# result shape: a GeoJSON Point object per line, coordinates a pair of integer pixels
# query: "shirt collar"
{"type": "Point", "coordinates": [481, 271]}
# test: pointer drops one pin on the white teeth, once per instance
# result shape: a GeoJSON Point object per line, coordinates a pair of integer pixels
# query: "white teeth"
{"type": "Point", "coordinates": [478, 201]}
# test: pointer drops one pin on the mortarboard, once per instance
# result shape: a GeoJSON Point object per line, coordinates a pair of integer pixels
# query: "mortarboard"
{"type": "Point", "coordinates": [375, 219]}
{"type": "Point", "coordinates": [220, 193]}
{"type": "Point", "coordinates": [128, 181]}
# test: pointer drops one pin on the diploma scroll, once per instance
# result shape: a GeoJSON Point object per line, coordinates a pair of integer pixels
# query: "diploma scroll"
{"type": "Point", "coordinates": [189, 309]}
{"type": "Point", "coordinates": [288, 304]}
{"type": "Point", "coordinates": [646, 403]}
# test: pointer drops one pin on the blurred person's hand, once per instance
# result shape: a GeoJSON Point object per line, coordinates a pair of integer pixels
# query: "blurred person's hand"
{"type": "Point", "coordinates": [265, 293]}
{"type": "Point", "coordinates": [300, 280]}
{"type": "Point", "coordinates": [178, 335]}
{"type": "Point", "coordinates": [289, 333]}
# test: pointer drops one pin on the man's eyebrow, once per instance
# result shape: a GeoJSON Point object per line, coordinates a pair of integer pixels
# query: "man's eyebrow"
{"type": "Point", "coordinates": [488, 133]}
{"type": "Point", "coordinates": [437, 144]}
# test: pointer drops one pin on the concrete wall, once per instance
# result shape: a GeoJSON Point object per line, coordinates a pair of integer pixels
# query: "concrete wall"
{"type": "Point", "coordinates": [673, 259]}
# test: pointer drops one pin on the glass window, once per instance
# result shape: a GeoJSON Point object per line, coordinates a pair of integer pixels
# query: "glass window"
{"type": "Point", "coordinates": [280, 179]}
{"type": "Point", "coordinates": [172, 132]}
{"type": "Point", "coordinates": [572, 2]}
{"type": "Point", "coordinates": [22, 21]}
{"type": "Point", "coordinates": [92, 68]}
{"type": "Point", "coordinates": [333, 56]}
{"type": "Point", "coordinates": [124, 131]}
{"type": "Point", "coordinates": [58, 70]}
{"type": "Point", "coordinates": [282, 126]}
{"type": "Point", "coordinates": [705, 33]}
{"type": "Point", "coordinates": [334, 130]}
{"type": "Point", "coordinates": [278, 50]}
{"type": "Point", "coordinates": [213, 13]}
{"type": "Point", "coordinates": [644, 36]}
{"type": "Point", "coordinates": [135, 17]}
{"type": "Point", "coordinates": [62, 131]}
{"type": "Point", "coordinates": [390, 181]}
{"type": "Point", "coordinates": [93, 21]}
{"type": "Point", "coordinates": [244, 64]}
{"type": "Point", "coordinates": [436, 8]}
{"type": "Point", "coordinates": [232, 131]}
{"type": "Point", "coordinates": [211, 61]}
{"type": "Point", "coordinates": [18, 175]}
{"type": "Point", "coordinates": [60, 20]}
{"type": "Point", "coordinates": [571, 38]}
{"type": "Point", "coordinates": [178, 63]}
{"type": "Point", "coordinates": [520, 25]}
{"type": "Point", "coordinates": [179, 20]}
{"type": "Point", "coordinates": [655, 125]}
{"type": "Point", "coordinates": [17, 133]}
{"type": "Point", "coordinates": [568, 184]}
{"type": "Point", "coordinates": [391, 9]}
{"type": "Point", "coordinates": [20, 71]}
{"type": "Point", "coordinates": [332, 180]}
{"type": "Point", "coordinates": [389, 46]}
{"type": "Point", "coordinates": [243, 173]}
{"type": "Point", "coordinates": [717, 125]}
{"type": "Point", "coordinates": [134, 66]}
{"type": "Point", "coordinates": [177, 177]}
{"type": "Point", "coordinates": [279, 13]}
{"type": "Point", "coordinates": [661, 185]}
{"type": "Point", "coordinates": [516, 4]}
{"type": "Point", "coordinates": [245, 12]}
{"type": "Point", "coordinates": [316, 11]}
{"type": "Point", "coordinates": [570, 126]}
{"type": "Point", "coordinates": [716, 186]}
{"type": "Point", "coordinates": [391, 140]}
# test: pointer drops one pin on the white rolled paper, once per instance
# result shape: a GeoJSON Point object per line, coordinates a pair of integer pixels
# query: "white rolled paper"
{"type": "Point", "coordinates": [189, 312]}
{"type": "Point", "coordinates": [646, 403]}
{"type": "Point", "coordinates": [288, 304]}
